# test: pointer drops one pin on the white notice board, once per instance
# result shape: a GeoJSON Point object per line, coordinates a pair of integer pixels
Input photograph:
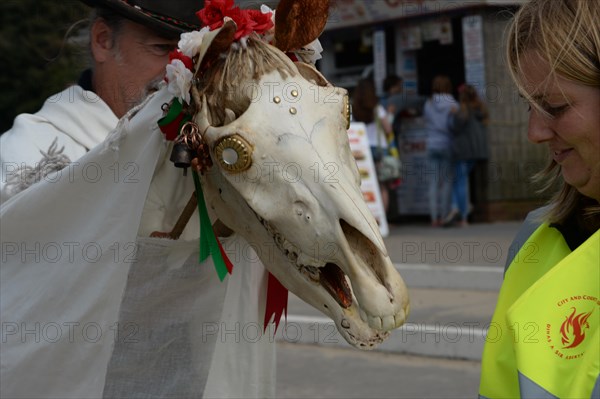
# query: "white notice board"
{"type": "Point", "coordinates": [359, 145]}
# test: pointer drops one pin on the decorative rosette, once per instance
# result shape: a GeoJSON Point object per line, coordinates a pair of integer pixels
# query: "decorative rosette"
{"type": "Point", "coordinates": [180, 72]}
{"type": "Point", "coordinates": [247, 21]}
{"type": "Point", "coordinates": [179, 76]}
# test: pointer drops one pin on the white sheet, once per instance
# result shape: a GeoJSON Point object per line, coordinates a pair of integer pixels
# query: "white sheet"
{"type": "Point", "coordinates": [89, 308]}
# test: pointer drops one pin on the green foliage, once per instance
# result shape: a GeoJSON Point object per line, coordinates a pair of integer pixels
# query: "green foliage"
{"type": "Point", "coordinates": [38, 58]}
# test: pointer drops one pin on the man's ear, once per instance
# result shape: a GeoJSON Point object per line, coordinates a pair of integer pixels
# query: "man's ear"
{"type": "Point", "coordinates": [102, 41]}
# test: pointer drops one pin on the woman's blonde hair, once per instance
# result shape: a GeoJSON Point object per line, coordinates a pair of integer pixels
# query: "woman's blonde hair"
{"type": "Point", "coordinates": [566, 34]}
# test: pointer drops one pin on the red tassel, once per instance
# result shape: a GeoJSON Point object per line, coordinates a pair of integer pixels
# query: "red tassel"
{"type": "Point", "coordinates": [292, 56]}
{"type": "Point", "coordinates": [277, 298]}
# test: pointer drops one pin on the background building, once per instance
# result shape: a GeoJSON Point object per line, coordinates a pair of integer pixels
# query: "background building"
{"type": "Point", "coordinates": [418, 39]}
{"type": "Point", "coordinates": [415, 39]}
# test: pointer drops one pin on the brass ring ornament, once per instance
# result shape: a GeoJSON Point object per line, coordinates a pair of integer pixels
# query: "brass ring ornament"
{"type": "Point", "coordinates": [234, 154]}
{"type": "Point", "coordinates": [190, 135]}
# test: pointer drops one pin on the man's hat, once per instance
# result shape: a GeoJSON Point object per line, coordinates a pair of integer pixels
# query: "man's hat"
{"type": "Point", "coordinates": [169, 17]}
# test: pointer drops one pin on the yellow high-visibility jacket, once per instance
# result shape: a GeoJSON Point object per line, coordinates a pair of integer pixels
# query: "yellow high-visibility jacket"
{"type": "Point", "coordinates": [544, 338]}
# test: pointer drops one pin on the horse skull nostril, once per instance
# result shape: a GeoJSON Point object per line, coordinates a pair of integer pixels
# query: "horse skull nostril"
{"type": "Point", "coordinates": [365, 251]}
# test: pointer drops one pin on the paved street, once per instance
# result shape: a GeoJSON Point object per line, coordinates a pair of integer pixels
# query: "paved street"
{"type": "Point", "coordinates": [309, 371]}
{"type": "Point", "coordinates": [453, 276]}
{"type": "Point", "coordinates": [484, 244]}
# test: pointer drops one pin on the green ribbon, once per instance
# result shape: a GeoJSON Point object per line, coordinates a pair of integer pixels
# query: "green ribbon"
{"type": "Point", "coordinates": [171, 123]}
{"type": "Point", "coordinates": [209, 245]}
{"type": "Point", "coordinates": [174, 111]}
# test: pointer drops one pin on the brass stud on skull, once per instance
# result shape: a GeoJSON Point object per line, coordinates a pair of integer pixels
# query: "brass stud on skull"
{"type": "Point", "coordinates": [347, 111]}
{"type": "Point", "coordinates": [234, 154]}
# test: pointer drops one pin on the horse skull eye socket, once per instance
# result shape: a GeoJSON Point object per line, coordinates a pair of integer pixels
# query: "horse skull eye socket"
{"type": "Point", "coordinates": [234, 154]}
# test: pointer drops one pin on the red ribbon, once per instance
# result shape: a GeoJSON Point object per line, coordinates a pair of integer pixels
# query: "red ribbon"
{"type": "Point", "coordinates": [277, 298]}
{"type": "Point", "coordinates": [228, 263]}
{"type": "Point", "coordinates": [171, 123]}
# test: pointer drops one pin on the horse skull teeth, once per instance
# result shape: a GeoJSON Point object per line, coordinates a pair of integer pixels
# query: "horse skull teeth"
{"type": "Point", "coordinates": [388, 322]}
{"type": "Point", "coordinates": [363, 316]}
{"type": "Point", "coordinates": [399, 320]}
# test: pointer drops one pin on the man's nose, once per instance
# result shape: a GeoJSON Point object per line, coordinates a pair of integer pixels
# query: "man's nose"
{"type": "Point", "coordinates": [539, 129]}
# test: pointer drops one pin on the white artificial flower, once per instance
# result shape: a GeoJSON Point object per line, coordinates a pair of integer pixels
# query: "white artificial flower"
{"type": "Point", "coordinates": [180, 80]}
{"type": "Point", "coordinates": [190, 42]}
{"type": "Point", "coordinates": [265, 9]}
{"type": "Point", "coordinates": [311, 52]}
{"type": "Point", "coordinates": [269, 35]}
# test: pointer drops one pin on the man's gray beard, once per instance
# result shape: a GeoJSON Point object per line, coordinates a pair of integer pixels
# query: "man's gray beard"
{"type": "Point", "coordinates": [150, 88]}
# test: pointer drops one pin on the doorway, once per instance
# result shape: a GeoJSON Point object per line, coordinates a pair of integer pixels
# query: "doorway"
{"type": "Point", "coordinates": [434, 59]}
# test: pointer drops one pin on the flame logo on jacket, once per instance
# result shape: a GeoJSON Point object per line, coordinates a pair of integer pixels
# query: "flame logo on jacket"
{"type": "Point", "coordinates": [573, 329]}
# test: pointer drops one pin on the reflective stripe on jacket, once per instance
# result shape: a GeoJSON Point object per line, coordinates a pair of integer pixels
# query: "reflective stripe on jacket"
{"type": "Point", "coordinates": [544, 339]}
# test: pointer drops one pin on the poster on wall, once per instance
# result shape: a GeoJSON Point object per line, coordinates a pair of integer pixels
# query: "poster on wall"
{"type": "Point", "coordinates": [412, 195]}
{"type": "Point", "coordinates": [445, 33]}
{"type": "Point", "coordinates": [411, 38]}
{"type": "Point", "coordinates": [359, 145]}
{"type": "Point", "coordinates": [406, 66]}
{"type": "Point", "coordinates": [474, 52]}
{"type": "Point", "coordinates": [379, 60]}
{"type": "Point", "coordinates": [360, 12]}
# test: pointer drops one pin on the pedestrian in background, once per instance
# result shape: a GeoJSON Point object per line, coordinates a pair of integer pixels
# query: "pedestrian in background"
{"type": "Point", "coordinates": [392, 87]}
{"type": "Point", "coordinates": [469, 145]}
{"type": "Point", "coordinates": [438, 119]}
{"type": "Point", "coordinates": [366, 108]}
{"type": "Point", "coordinates": [548, 316]}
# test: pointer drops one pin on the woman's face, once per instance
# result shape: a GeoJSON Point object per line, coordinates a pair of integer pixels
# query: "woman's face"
{"type": "Point", "coordinates": [572, 129]}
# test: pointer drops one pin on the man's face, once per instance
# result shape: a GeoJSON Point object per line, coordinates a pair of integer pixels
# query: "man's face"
{"type": "Point", "coordinates": [137, 66]}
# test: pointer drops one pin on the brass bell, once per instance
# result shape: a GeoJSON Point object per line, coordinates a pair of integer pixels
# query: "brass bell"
{"type": "Point", "coordinates": [182, 156]}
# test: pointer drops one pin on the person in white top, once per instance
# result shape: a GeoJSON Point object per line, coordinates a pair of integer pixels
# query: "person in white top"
{"type": "Point", "coordinates": [127, 320]}
{"type": "Point", "coordinates": [130, 45]}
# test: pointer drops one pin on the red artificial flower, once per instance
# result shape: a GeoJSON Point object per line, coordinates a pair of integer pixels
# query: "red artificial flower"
{"type": "Point", "coordinates": [262, 22]}
{"type": "Point", "coordinates": [245, 25]}
{"type": "Point", "coordinates": [247, 21]}
{"type": "Point", "coordinates": [213, 13]}
{"type": "Point", "coordinates": [178, 55]}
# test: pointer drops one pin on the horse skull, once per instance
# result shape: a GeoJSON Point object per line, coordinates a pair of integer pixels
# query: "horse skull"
{"type": "Point", "coordinates": [285, 179]}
